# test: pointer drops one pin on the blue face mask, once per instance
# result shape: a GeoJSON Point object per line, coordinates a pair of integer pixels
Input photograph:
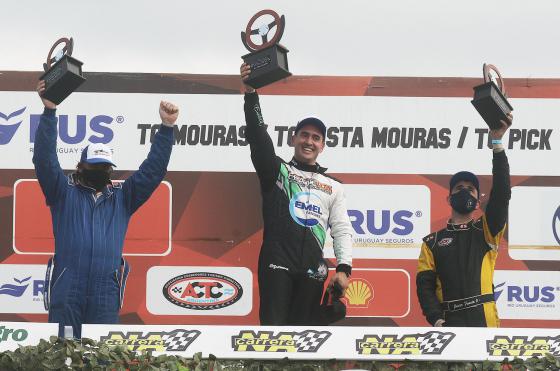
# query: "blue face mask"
{"type": "Point", "coordinates": [463, 202]}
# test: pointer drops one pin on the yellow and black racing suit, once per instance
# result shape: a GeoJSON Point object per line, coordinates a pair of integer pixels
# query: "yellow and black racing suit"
{"type": "Point", "coordinates": [456, 264]}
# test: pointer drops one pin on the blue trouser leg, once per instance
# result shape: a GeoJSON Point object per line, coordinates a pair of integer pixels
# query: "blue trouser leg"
{"type": "Point", "coordinates": [67, 301]}
{"type": "Point", "coordinates": [103, 302]}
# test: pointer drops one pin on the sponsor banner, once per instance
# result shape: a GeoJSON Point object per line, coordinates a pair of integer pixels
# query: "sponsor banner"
{"type": "Point", "coordinates": [427, 343]}
{"type": "Point", "coordinates": [148, 234]}
{"type": "Point", "coordinates": [21, 288]}
{"type": "Point", "coordinates": [177, 340]}
{"type": "Point", "coordinates": [199, 291]}
{"type": "Point", "coordinates": [389, 221]}
{"type": "Point", "coordinates": [366, 134]}
{"type": "Point", "coordinates": [523, 346]}
{"type": "Point", "coordinates": [337, 342]}
{"type": "Point", "coordinates": [16, 334]}
{"type": "Point", "coordinates": [284, 341]}
{"type": "Point", "coordinates": [527, 294]}
{"type": "Point", "coordinates": [369, 294]}
{"type": "Point", "coordinates": [534, 223]}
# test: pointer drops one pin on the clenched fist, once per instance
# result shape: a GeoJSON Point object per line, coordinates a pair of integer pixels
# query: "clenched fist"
{"type": "Point", "coordinates": [245, 71]}
{"type": "Point", "coordinates": [41, 89]}
{"type": "Point", "coordinates": [168, 113]}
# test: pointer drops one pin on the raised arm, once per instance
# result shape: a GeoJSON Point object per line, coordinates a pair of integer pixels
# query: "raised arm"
{"type": "Point", "coordinates": [140, 185]}
{"type": "Point", "coordinates": [47, 168]}
{"type": "Point", "coordinates": [263, 156]}
{"type": "Point", "coordinates": [497, 208]}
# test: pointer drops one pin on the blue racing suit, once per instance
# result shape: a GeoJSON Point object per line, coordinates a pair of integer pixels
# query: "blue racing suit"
{"type": "Point", "coordinates": [88, 271]}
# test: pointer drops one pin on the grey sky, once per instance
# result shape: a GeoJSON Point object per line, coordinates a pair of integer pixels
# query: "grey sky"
{"type": "Point", "coordinates": [384, 38]}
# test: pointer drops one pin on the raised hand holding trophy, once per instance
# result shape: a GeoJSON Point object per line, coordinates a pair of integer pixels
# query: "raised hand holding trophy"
{"type": "Point", "coordinates": [490, 100]}
{"type": "Point", "coordinates": [268, 61]}
{"type": "Point", "coordinates": [63, 73]}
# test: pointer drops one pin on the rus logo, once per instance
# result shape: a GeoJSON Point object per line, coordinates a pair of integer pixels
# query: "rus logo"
{"type": "Point", "coordinates": [525, 294]}
{"type": "Point", "coordinates": [7, 131]}
{"type": "Point", "coordinates": [71, 130]}
{"type": "Point", "coordinates": [18, 289]}
{"type": "Point", "coordinates": [380, 222]}
{"type": "Point", "coordinates": [556, 225]}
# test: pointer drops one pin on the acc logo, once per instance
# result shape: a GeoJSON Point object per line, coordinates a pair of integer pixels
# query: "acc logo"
{"type": "Point", "coordinates": [433, 342]}
{"type": "Point", "coordinates": [359, 293]}
{"type": "Point", "coordinates": [556, 225]}
{"type": "Point", "coordinates": [521, 346]}
{"type": "Point", "coordinates": [202, 291]}
{"type": "Point", "coordinates": [305, 209]}
{"type": "Point", "coordinates": [174, 341]}
{"type": "Point", "coordinates": [265, 341]}
{"type": "Point", "coordinates": [7, 334]}
{"type": "Point", "coordinates": [445, 241]}
{"type": "Point", "coordinates": [399, 222]}
{"type": "Point", "coordinates": [7, 131]}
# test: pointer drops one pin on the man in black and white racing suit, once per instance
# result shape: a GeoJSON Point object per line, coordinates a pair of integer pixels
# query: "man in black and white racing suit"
{"type": "Point", "coordinates": [300, 202]}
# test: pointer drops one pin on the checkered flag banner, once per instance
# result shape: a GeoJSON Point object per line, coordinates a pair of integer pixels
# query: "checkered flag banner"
{"type": "Point", "coordinates": [554, 346]}
{"type": "Point", "coordinates": [179, 340]}
{"type": "Point", "coordinates": [310, 341]}
{"type": "Point", "coordinates": [434, 342]}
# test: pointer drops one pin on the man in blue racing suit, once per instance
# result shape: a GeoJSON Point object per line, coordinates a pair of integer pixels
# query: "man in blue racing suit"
{"type": "Point", "coordinates": [86, 278]}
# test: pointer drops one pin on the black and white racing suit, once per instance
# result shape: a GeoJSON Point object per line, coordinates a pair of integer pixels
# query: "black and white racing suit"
{"type": "Point", "coordinates": [300, 202]}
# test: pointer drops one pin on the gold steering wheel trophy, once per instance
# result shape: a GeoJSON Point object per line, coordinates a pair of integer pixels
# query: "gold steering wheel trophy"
{"type": "Point", "coordinates": [490, 100]}
{"type": "Point", "coordinates": [63, 73]}
{"type": "Point", "coordinates": [268, 60]}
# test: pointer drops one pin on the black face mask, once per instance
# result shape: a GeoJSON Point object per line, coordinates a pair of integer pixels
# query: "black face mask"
{"type": "Point", "coordinates": [97, 179]}
{"type": "Point", "coordinates": [463, 202]}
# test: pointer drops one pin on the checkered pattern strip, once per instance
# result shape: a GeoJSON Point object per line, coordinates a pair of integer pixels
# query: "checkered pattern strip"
{"type": "Point", "coordinates": [554, 345]}
{"type": "Point", "coordinates": [310, 341]}
{"type": "Point", "coordinates": [434, 342]}
{"type": "Point", "coordinates": [179, 340]}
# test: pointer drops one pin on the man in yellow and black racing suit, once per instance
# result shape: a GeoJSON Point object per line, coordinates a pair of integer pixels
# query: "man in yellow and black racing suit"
{"type": "Point", "coordinates": [456, 263]}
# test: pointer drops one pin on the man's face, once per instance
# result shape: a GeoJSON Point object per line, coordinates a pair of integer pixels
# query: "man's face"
{"type": "Point", "coordinates": [96, 176]}
{"type": "Point", "coordinates": [308, 143]}
{"type": "Point", "coordinates": [463, 184]}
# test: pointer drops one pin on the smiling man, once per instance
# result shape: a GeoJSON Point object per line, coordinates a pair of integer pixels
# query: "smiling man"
{"type": "Point", "coordinates": [300, 202]}
{"type": "Point", "coordinates": [456, 263]}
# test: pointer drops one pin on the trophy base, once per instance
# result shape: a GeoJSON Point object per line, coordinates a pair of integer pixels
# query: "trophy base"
{"type": "Point", "coordinates": [267, 66]}
{"type": "Point", "coordinates": [491, 104]}
{"type": "Point", "coordinates": [62, 79]}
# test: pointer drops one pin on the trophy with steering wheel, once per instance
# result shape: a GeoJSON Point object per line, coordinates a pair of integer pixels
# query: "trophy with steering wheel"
{"type": "Point", "coordinates": [268, 60]}
{"type": "Point", "coordinates": [63, 73]}
{"type": "Point", "coordinates": [490, 100]}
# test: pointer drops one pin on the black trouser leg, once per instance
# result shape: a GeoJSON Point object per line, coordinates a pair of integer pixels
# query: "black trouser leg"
{"type": "Point", "coordinates": [306, 299]}
{"type": "Point", "coordinates": [275, 291]}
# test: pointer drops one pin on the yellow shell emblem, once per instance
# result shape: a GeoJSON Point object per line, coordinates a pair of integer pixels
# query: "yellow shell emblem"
{"type": "Point", "coordinates": [359, 292]}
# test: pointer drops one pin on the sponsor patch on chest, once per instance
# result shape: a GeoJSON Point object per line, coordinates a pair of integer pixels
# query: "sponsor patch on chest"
{"type": "Point", "coordinates": [445, 241]}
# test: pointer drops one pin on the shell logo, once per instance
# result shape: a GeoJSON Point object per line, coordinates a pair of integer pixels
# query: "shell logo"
{"type": "Point", "coordinates": [359, 293]}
